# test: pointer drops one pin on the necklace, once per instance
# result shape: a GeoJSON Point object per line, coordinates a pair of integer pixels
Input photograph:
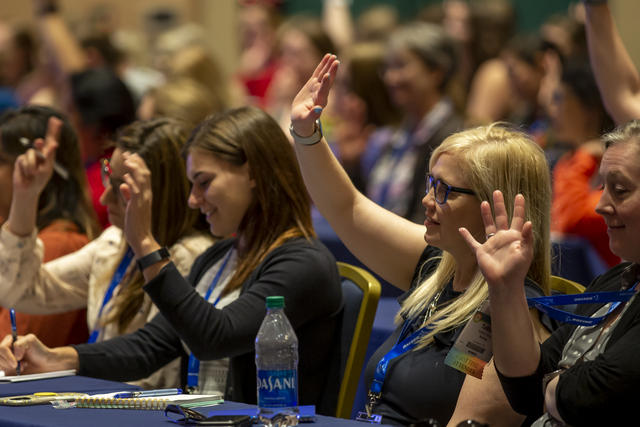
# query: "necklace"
{"type": "Point", "coordinates": [433, 305]}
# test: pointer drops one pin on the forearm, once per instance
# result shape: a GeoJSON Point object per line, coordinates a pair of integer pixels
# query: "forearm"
{"type": "Point", "coordinates": [617, 77]}
{"type": "Point", "coordinates": [327, 182]}
{"type": "Point", "coordinates": [23, 214]}
{"type": "Point", "coordinates": [515, 348]}
{"type": "Point", "coordinates": [61, 44]}
{"type": "Point", "coordinates": [63, 358]}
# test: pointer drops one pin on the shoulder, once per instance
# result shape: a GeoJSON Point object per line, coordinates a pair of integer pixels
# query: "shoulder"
{"type": "Point", "coordinates": [61, 237]}
{"type": "Point", "coordinates": [188, 248]}
{"type": "Point", "coordinates": [612, 280]}
{"type": "Point", "coordinates": [427, 264]}
{"type": "Point", "coordinates": [311, 252]}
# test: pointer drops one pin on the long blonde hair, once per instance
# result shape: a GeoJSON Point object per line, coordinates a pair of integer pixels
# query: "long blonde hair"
{"type": "Point", "coordinates": [491, 158]}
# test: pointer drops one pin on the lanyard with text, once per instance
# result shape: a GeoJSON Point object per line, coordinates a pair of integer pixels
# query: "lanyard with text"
{"type": "Point", "coordinates": [544, 304]}
{"type": "Point", "coordinates": [398, 349]}
{"type": "Point", "coordinates": [193, 368]}
{"type": "Point", "coordinates": [115, 281]}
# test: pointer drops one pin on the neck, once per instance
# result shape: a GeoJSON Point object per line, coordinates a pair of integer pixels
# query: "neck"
{"type": "Point", "coordinates": [466, 268]}
{"type": "Point", "coordinates": [422, 109]}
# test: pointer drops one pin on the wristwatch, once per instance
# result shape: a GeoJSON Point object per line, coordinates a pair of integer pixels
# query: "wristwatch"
{"type": "Point", "coordinates": [152, 258]}
{"type": "Point", "coordinates": [312, 139]}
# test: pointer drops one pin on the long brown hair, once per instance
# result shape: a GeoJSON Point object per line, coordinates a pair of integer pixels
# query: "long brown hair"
{"type": "Point", "coordinates": [159, 142]}
{"type": "Point", "coordinates": [280, 209]}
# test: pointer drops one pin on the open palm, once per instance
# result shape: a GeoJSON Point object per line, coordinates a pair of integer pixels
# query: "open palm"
{"type": "Point", "coordinates": [312, 98]}
{"type": "Point", "coordinates": [504, 258]}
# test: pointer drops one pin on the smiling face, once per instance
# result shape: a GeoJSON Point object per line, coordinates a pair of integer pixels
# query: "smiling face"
{"type": "Point", "coordinates": [111, 197]}
{"type": "Point", "coordinates": [460, 210]}
{"type": "Point", "coordinates": [620, 200]}
{"type": "Point", "coordinates": [221, 190]}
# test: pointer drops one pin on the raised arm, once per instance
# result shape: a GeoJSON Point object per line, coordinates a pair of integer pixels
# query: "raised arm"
{"type": "Point", "coordinates": [617, 77]}
{"type": "Point", "coordinates": [385, 242]}
{"type": "Point", "coordinates": [60, 43]}
{"type": "Point", "coordinates": [504, 260]}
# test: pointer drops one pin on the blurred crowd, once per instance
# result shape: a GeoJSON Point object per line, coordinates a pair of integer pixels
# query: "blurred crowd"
{"type": "Point", "coordinates": [402, 87]}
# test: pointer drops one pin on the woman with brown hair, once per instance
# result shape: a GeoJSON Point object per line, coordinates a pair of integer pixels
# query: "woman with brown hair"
{"type": "Point", "coordinates": [246, 181]}
{"type": "Point", "coordinates": [102, 275]}
{"type": "Point", "coordinates": [65, 220]}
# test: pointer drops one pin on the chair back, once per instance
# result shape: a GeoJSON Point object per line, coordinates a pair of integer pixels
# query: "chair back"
{"type": "Point", "coordinates": [361, 292]}
{"type": "Point", "coordinates": [565, 286]}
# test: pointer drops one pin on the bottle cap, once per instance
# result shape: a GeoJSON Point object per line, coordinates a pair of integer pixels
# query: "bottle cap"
{"type": "Point", "coordinates": [275, 302]}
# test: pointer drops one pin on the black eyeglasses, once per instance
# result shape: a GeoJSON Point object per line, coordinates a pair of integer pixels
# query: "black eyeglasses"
{"type": "Point", "coordinates": [442, 189]}
{"type": "Point", "coordinates": [107, 179]}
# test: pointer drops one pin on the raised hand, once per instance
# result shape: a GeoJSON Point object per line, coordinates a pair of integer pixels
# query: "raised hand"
{"type": "Point", "coordinates": [312, 98]}
{"type": "Point", "coordinates": [34, 168]}
{"type": "Point", "coordinates": [136, 191]}
{"type": "Point", "coordinates": [504, 258]}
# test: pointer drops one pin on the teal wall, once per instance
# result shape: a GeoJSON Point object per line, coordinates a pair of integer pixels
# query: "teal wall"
{"type": "Point", "coordinates": [530, 13]}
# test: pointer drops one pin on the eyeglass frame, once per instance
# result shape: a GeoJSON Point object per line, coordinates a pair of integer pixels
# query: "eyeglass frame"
{"type": "Point", "coordinates": [430, 184]}
{"type": "Point", "coordinates": [106, 178]}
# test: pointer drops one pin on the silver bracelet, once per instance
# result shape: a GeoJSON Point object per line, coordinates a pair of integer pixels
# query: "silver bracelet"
{"type": "Point", "coordinates": [312, 139]}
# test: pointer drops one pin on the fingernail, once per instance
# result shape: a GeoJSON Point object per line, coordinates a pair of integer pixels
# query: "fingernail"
{"type": "Point", "coordinates": [317, 110]}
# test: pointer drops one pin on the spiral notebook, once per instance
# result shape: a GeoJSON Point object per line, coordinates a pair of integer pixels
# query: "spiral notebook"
{"type": "Point", "coordinates": [158, 403]}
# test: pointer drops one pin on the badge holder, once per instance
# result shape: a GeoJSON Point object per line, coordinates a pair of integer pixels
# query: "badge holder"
{"type": "Point", "coordinates": [472, 350]}
{"type": "Point", "coordinates": [368, 416]}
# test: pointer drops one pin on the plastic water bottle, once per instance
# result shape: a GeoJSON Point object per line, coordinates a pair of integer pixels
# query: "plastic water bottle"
{"type": "Point", "coordinates": [277, 367]}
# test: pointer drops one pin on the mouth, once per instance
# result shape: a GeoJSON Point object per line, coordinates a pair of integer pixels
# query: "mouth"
{"type": "Point", "coordinates": [615, 227]}
{"type": "Point", "coordinates": [430, 221]}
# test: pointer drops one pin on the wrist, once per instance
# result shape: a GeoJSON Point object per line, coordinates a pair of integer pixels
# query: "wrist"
{"type": "Point", "coordinates": [152, 258]}
{"type": "Point", "coordinates": [306, 137]}
{"type": "Point", "coordinates": [63, 358]}
{"type": "Point", "coordinates": [145, 246]}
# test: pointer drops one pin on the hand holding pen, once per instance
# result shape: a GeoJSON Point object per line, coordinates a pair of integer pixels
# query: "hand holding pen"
{"type": "Point", "coordinates": [14, 335]}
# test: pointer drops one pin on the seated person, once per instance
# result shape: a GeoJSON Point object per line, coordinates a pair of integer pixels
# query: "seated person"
{"type": "Point", "coordinates": [582, 375]}
{"type": "Point", "coordinates": [442, 282]}
{"type": "Point", "coordinates": [65, 219]}
{"type": "Point", "coordinates": [102, 276]}
{"type": "Point", "coordinates": [245, 180]}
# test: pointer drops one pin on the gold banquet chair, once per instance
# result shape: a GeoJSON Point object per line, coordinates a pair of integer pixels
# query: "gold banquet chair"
{"type": "Point", "coordinates": [565, 286]}
{"type": "Point", "coordinates": [361, 292]}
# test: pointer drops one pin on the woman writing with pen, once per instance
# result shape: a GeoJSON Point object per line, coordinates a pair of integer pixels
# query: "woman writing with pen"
{"type": "Point", "coordinates": [101, 276]}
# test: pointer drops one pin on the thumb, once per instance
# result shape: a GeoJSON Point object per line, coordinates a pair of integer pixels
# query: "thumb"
{"type": "Point", "coordinates": [471, 241]}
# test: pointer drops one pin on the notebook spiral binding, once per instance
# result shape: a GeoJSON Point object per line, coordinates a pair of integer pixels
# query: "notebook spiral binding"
{"type": "Point", "coordinates": [152, 404]}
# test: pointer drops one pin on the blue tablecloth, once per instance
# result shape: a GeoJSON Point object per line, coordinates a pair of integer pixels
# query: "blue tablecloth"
{"type": "Point", "coordinates": [46, 415]}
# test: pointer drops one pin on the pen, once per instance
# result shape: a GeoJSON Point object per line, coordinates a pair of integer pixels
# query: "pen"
{"type": "Point", "coordinates": [56, 166]}
{"type": "Point", "coordinates": [149, 393]}
{"type": "Point", "coordinates": [14, 334]}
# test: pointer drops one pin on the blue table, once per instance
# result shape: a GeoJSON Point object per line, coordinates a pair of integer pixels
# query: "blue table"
{"type": "Point", "coordinates": [46, 415]}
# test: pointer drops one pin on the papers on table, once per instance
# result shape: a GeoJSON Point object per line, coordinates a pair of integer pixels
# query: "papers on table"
{"type": "Point", "coordinates": [41, 376]}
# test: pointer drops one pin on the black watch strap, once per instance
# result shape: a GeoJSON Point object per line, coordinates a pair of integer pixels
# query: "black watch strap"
{"type": "Point", "coordinates": [152, 258]}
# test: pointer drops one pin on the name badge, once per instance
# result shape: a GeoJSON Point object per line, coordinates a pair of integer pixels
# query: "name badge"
{"type": "Point", "coordinates": [472, 350]}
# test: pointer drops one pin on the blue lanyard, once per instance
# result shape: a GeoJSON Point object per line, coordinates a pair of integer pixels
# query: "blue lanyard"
{"type": "Point", "coordinates": [193, 368]}
{"type": "Point", "coordinates": [544, 305]}
{"type": "Point", "coordinates": [399, 349]}
{"type": "Point", "coordinates": [115, 280]}
{"type": "Point", "coordinates": [397, 153]}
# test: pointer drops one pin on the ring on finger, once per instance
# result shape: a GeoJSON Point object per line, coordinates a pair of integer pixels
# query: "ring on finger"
{"type": "Point", "coordinates": [490, 235]}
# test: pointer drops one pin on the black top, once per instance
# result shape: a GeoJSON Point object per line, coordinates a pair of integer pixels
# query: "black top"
{"type": "Point", "coordinates": [418, 385]}
{"type": "Point", "coordinates": [599, 392]}
{"type": "Point", "coordinates": [299, 270]}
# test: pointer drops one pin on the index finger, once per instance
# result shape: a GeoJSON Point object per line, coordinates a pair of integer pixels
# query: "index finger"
{"type": "Point", "coordinates": [52, 136]}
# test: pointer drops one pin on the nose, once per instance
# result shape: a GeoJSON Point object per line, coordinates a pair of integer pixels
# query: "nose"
{"type": "Point", "coordinates": [105, 195]}
{"type": "Point", "coordinates": [429, 200]}
{"type": "Point", "coordinates": [194, 200]}
{"type": "Point", "coordinates": [604, 206]}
